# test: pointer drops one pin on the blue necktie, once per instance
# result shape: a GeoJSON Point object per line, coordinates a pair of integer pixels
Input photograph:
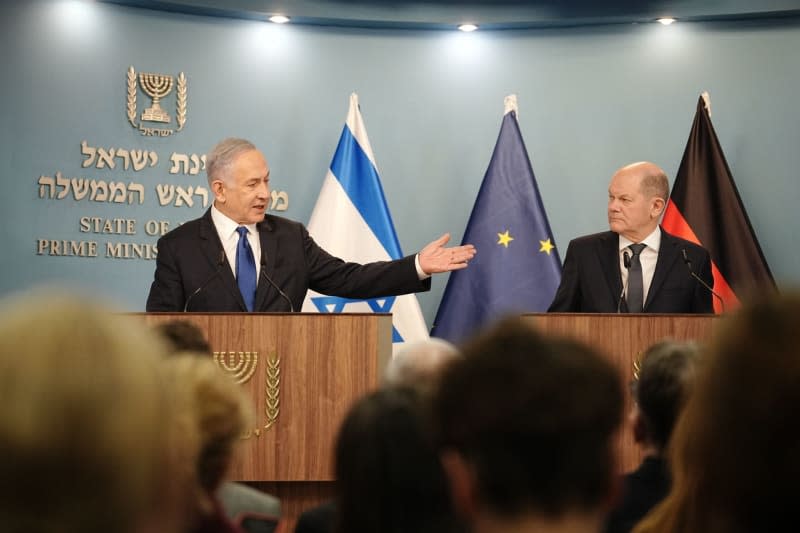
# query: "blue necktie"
{"type": "Point", "coordinates": [245, 269]}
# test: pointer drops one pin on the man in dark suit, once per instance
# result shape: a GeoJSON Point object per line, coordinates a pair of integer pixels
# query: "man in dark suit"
{"type": "Point", "coordinates": [237, 258]}
{"type": "Point", "coordinates": [637, 266]}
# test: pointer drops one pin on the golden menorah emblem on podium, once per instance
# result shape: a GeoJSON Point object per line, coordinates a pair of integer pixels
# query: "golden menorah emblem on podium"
{"type": "Point", "coordinates": [238, 365]}
{"type": "Point", "coordinates": [241, 366]}
{"type": "Point", "coordinates": [156, 86]}
{"type": "Point", "coordinates": [272, 390]}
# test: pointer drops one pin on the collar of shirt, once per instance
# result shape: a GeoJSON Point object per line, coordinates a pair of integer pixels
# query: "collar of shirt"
{"type": "Point", "coordinates": [652, 241]}
{"type": "Point", "coordinates": [228, 236]}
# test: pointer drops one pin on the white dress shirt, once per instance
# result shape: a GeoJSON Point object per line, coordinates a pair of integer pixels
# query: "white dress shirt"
{"type": "Point", "coordinates": [647, 258]}
{"type": "Point", "coordinates": [226, 229]}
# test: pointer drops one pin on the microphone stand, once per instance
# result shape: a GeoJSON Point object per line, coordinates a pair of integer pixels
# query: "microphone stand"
{"type": "Point", "coordinates": [688, 263]}
{"type": "Point", "coordinates": [626, 261]}
{"type": "Point", "coordinates": [269, 280]}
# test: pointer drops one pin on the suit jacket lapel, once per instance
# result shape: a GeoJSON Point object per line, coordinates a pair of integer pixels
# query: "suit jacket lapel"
{"type": "Point", "coordinates": [212, 248]}
{"type": "Point", "coordinates": [608, 255]}
{"type": "Point", "coordinates": [667, 256]}
{"type": "Point", "coordinates": [269, 253]}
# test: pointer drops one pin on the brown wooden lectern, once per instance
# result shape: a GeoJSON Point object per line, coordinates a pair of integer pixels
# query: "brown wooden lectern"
{"type": "Point", "coordinates": [622, 338]}
{"type": "Point", "coordinates": [303, 371]}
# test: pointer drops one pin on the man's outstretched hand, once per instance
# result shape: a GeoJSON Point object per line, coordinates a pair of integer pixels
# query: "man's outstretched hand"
{"type": "Point", "coordinates": [436, 258]}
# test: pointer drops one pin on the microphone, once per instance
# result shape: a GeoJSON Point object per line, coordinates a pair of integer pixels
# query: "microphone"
{"type": "Point", "coordinates": [220, 264]}
{"type": "Point", "coordinates": [626, 260]}
{"type": "Point", "coordinates": [698, 278]}
{"type": "Point", "coordinates": [269, 280]}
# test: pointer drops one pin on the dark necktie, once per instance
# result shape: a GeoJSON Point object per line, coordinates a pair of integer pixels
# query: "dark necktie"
{"type": "Point", "coordinates": [245, 269]}
{"type": "Point", "coordinates": [635, 299]}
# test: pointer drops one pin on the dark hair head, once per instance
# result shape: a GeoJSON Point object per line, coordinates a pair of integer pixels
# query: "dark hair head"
{"type": "Point", "coordinates": [734, 451]}
{"type": "Point", "coordinates": [183, 336]}
{"type": "Point", "coordinates": [665, 378]}
{"type": "Point", "coordinates": [534, 417]}
{"type": "Point", "coordinates": [388, 475]}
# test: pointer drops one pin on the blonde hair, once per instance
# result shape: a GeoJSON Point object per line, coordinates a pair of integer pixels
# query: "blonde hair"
{"type": "Point", "coordinates": [84, 418]}
{"type": "Point", "coordinates": [218, 412]}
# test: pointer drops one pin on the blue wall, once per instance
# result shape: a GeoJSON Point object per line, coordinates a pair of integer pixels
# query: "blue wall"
{"type": "Point", "coordinates": [591, 99]}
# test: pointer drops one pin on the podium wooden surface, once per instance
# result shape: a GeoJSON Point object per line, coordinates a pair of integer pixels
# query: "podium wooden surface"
{"type": "Point", "coordinates": [622, 339]}
{"type": "Point", "coordinates": [324, 363]}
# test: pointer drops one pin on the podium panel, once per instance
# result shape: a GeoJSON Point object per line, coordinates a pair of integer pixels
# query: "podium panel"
{"type": "Point", "coordinates": [302, 371]}
{"type": "Point", "coordinates": [622, 339]}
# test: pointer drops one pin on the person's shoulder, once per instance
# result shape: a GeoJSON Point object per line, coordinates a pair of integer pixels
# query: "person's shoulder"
{"type": "Point", "coordinates": [586, 240]}
{"type": "Point", "coordinates": [682, 243]}
{"type": "Point", "coordinates": [186, 229]}
{"type": "Point", "coordinates": [319, 519]}
{"type": "Point", "coordinates": [282, 227]}
{"type": "Point", "coordinates": [274, 222]}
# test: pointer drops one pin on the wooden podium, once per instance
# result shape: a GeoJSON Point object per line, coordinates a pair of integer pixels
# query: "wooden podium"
{"type": "Point", "coordinates": [622, 339]}
{"type": "Point", "coordinates": [303, 371]}
{"type": "Point", "coordinates": [310, 368]}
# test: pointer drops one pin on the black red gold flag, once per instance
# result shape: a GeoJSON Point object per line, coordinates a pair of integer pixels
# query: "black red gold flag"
{"type": "Point", "coordinates": [705, 208]}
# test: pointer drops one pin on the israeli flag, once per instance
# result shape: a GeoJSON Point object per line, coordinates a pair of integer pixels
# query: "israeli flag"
{"type": "Point", "coordinates": [351, 220]}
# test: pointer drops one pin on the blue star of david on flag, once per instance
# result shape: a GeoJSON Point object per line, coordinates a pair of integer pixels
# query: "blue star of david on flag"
{"type": "Point", "coordinates": [334, 304]}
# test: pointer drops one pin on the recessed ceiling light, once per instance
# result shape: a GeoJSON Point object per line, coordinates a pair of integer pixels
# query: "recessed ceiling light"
{"type": "Point", "coordinates": [666, 21]}
{"type": "Point", "coordinates": [279, 19]}
{"type": "Point", "coordinates": [467, 27]}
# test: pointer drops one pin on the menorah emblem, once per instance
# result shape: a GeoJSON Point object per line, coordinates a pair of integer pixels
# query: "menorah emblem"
{"type": "Point", "coordinates": [157, 86]}
{"type": "Point", "coordinates": [239, 365]}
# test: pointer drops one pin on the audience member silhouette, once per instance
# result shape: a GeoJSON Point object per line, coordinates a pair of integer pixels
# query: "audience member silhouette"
{"type": "Point", "coordinates": [665, 379]}
{"type": "Point", "coordinates": [88, 438]}
{"type": "Point", "coordinates": [418, 365]}
{"type": "Point", "coordinates": [526, 428]}
{"type": "Point", "coordinates": [388, 475]}
{"type": "Point", "coordinates": [734, 453]}
{"type": "Point", "coordinates": [243, 504]}
{"type": "Point", "coordinates": [214, 404]}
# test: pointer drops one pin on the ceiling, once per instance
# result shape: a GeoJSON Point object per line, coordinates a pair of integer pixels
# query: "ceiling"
{"type": "Point", "coordinates": [489, 14]}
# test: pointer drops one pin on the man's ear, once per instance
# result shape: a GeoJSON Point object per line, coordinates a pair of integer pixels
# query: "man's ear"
{"type": "Point", "coordinates": [218, 188]}
{"type": "Point", "coordinates": [463, 483]}
{"type": "Point", "coordinates": [657, 207]}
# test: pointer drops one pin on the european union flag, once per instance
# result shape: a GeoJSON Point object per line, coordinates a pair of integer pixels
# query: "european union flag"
{"type": "Point", "coordinates": [517, 268]}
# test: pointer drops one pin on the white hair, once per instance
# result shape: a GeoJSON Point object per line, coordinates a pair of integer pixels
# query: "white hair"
{"type": "Point", "coordinates": [221, 156]}
{"type": "Point", "coordinates": [419, 364]}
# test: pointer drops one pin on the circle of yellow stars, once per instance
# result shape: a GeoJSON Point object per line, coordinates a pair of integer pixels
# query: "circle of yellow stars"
{"type": "Point", "coordinates": [505, 238]}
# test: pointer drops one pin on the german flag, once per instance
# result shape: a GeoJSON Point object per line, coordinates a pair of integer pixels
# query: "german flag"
{"type": "Point", "coordinates": [705, 208]}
